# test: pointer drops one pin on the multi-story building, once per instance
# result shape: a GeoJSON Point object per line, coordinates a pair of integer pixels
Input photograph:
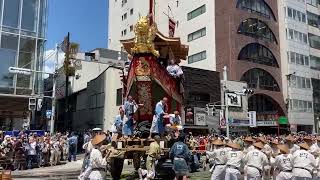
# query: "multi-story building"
{"type": "Point", "coordinates": [95, 91]}
{"type": "Point", "coordinates": [248, 44]}
{"type": "Point", "coordinates": [300, 52]}
{"type": "Point", "coordinates": [194, 19]}
{"type": "Point", "coordinates": [22, 39]}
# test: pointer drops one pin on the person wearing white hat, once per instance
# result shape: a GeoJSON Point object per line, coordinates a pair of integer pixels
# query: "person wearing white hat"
{"type": "Point", "coordinates": [234, 160]}
{"type": "Point", "coordinates": [315, 147]}
{"type": "Point", "coordinates": [255, 161]}
{"type": "Point", "coordinates": [97, 162]}
{"type": "Point", "coordinates": [283, 162]}
{"type": "Point", "coordinates": [303, 163]}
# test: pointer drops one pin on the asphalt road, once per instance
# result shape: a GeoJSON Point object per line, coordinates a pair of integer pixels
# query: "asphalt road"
{"type": "Point", "coordinates": [70, 171]}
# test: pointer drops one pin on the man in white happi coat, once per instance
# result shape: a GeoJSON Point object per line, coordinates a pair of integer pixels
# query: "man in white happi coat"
{"type": "Point", "coordinates": [303, 163]}
{"type": "Point", "coordinates": [234, 160]}
{"type": "Point", "coordinates": [98, 163]}
{"type": "Point", "coordinates": [255, 161]}
{"type": "Point", "coordinates": [291, 143]}
{"type": "Point", "coordinates": [220, 159]}
{"type": "Point", "coordinates": [283, 162]}
{"type": "Point", "coordinates": [315, 147]}
{"type": "Point", "coordinates": [248, 142]}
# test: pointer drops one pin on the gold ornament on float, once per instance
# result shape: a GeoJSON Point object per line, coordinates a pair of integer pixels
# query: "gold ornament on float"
{"type": "Point", "coordinates": [144, 36]}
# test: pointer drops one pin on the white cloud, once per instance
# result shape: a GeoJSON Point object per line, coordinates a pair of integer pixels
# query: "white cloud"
{"type": "Point", "coordinates": [50, 60]}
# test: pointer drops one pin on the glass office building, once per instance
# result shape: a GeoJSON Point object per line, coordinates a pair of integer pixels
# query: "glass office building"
{"type": "Point", "coordinates": [22, 38]}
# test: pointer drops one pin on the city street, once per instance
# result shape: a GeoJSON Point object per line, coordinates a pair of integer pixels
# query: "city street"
{"type": "Point", "coordinates": [70, 171]}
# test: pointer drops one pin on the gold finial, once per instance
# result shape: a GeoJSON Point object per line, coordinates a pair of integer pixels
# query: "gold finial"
{"type": "Point", "coordinates": [144, 36]}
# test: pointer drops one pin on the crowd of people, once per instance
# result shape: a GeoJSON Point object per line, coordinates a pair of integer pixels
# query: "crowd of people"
{"type": "Point", "coordinates": [295, 156]}
{"type": "Point", "coordinates": [30, 150]}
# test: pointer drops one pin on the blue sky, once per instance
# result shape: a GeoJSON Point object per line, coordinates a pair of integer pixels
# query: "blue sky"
{"type": "Point", "coordinates": [86, 20]}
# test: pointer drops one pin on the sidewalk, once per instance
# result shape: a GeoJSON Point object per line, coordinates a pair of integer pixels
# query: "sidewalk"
{"type": "Point", "coordinates": [67, 171]}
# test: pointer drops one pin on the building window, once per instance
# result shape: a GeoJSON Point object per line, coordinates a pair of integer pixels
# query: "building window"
{"type": "Point", "coordinates": [131, 11]}
{"type": "Point", "coordinates": [314, 41]}
{"type": "Point", "coordinates": [296, 15]}
{"type": "Point", "coordinates": [11, 13]}
{"type": "Point", "coordinates": [197, 57]}
{"type": "Point", "coordinates": [313, 19]}
{"type": "Point", "coordinates": [315, 62]}
{"type": "Point", "coordinates": [8, 57]}
{"type": "Point", "coordinates": [125, 32]}
{"type": "Point", "coordinates": [297, 36]}
{"type": "Point", "coordinates": [131, 28]}
{"type": "Point", "coordinates": [29, 15]}
{"type": "Point", "coordinates": [313, 2]}
{"type": "Point", "coordinates": [199, 97]}
{"type": "Point", "coordinates": [197, 34]}
{"type": "Point", "coordinates": [258, 29]}
{"type": "Point", "coordinates": [125, 16]}
{"type": "Point", "coordinates": [260, 78]}
{"type": "Point", "coordinates": [124, 2]}
{"type": "Point", "coordinates": [259, 7]}
{"type": "Point", "coordinates": [196, 12]}
{"type": "Point", "coordinates": [298, 59]}
{"type": "Point", "coordinates": [300, 82]}
{"type": "Point", "coordinates": [121, 33]}
{"type": "Point", "coordinates": [300, 105]}
{"type": "Point", "coordinates": [259, 54]}
{"type": "Point", "coordinates": [119, 97]}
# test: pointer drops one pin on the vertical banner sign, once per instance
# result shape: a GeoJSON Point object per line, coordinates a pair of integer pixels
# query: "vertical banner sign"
{"type": "Point", "coordinates": [252, 116]}
{"type": "Point", "coordinates": [222, 121]}
{"type": "Point", "coordinates": [172, 27]}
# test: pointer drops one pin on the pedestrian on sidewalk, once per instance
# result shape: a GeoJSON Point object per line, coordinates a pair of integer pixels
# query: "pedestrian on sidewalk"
{"type": "Point", "coordinates": [55, 152]}
{"type": "Point", "coordinates": [73, 142]}
{"type": "Point", "coordinates": [32, 153]}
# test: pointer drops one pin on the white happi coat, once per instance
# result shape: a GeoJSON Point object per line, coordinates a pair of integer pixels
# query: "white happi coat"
{"type": "Point", "coordinates": [234, 160]}
{"type": "Point", "coordinates": [255, 161]}
{"type": "Point", "coordinates": [220, 159]}
{"type": "Point", "coordinates": [283, 162]}
{"type": "Point", "coordinates": [303, 164]}
{"type": "Point", "coordinates": [97, 163]}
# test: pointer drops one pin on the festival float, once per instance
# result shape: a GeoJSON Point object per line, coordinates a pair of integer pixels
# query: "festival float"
{"type": "Point", "coordinates": [148, 81]}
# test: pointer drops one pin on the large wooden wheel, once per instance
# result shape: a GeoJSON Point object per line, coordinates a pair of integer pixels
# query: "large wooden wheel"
{"type": "Point", "coordinates": [116, 166]}
{"type": "Point", "coordinates": [136, 160]}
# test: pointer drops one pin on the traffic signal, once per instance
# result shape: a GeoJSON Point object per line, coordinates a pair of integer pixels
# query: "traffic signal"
{"type": "Point", "coordinates": [247, 91]}
{"type": "Point", "coordinates": [32, 104]}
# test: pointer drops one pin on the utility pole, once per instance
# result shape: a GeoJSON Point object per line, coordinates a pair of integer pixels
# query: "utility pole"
{"type": "Point", "coordinates": [53, 101]}
{"type": "Point", "coordinates": [225, 79]}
